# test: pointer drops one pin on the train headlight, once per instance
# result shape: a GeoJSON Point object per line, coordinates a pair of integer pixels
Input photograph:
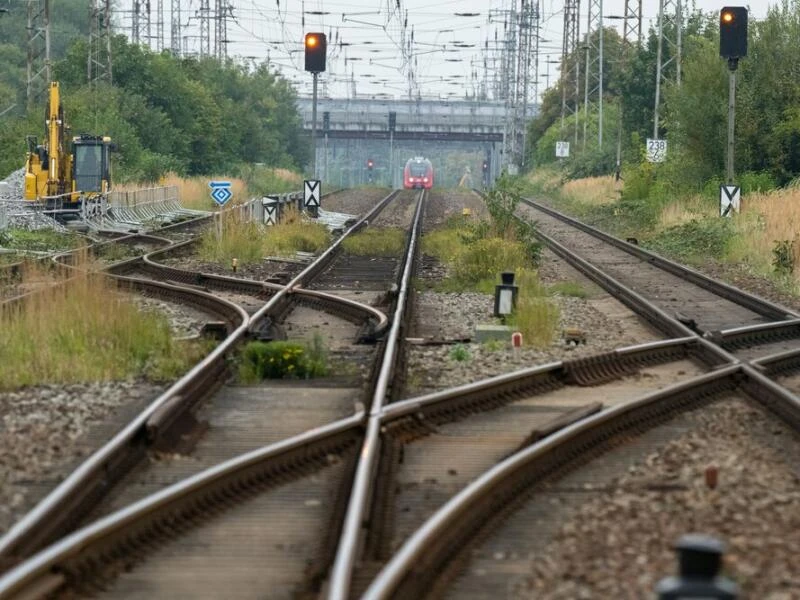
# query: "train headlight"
{"type": "Point", "coordinates": [425, 180]}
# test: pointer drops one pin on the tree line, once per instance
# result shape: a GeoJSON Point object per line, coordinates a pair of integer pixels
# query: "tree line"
{"type": "Point", "coordinates": [165, 113]}
{"type": "Point", "coordinates": [693, 116]}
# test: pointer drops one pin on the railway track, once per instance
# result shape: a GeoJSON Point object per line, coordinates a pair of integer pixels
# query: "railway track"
{"type": "Point", "coordinates": [162, 409]}
{"type": "Point", "coordinates": [433, 477]}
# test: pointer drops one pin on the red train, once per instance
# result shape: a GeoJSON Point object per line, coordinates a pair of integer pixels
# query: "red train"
{"type": "Point", "coordinates": [418, 173]}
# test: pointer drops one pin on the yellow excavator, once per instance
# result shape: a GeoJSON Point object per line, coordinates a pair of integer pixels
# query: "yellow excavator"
{"type": "Point", "coordinates": [61, 175]}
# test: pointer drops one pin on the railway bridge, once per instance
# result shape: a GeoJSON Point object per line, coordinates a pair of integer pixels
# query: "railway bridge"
{"type": "Point", "coordinates": [388, 131]}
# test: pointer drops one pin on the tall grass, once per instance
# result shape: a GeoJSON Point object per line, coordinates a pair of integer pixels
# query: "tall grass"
{"type": "Point", "coordinates": [767, 219]}
{"type": "Point", "coordinates": [85, 330]}
{"type": "Point", "coordinates": [595, 191]}
{"type": "Point", "coordinates": [262, 180]}
{"type": "Point", "coordinates": [250, 242]}
{"type": "Point", "coordinates": [684, 210]}
{"type": "Point", "coordinates": [545, 181]}
{"type": "Point", "coordinates": [536, 315]}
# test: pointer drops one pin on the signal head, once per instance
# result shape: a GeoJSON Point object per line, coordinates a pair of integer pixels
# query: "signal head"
{"type": "Point", "coordinates": [316, 47]}
{"type": "Point", "coordinates": [733, 32]}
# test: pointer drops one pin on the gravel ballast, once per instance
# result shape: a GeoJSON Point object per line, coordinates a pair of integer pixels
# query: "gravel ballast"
{"type": "Point", "coordinates": [46, 431]}
{"type": "Point", "coordinates": [619, 543]}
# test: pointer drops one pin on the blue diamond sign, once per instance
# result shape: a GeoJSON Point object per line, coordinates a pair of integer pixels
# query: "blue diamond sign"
{"type": "Point", "coordinates": [220, 191]}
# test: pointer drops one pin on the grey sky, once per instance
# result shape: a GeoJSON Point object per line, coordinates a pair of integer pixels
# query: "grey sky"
{"type": "Point", "coordinates": [447, 49]}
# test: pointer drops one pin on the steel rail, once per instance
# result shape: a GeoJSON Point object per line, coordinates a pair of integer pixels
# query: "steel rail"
{"type": "Point", "coordinates": [352, 529]}
{"type": "Point", "coordinates": [443, 535]}
{"type": "Point", "coordinates": [97, 542]}
{"type": "Point", "coordinates": [735, 295]}
{"type": "Point", "coordinates": [584, 371]}
{"type": "Point", "coordinates": [754, 335]}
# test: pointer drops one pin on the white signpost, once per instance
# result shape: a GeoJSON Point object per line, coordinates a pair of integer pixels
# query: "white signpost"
{"type": "Point", "coordinates": [562, 149]}
{"type": "Point", "coordinates": [656, 150]}
{"type": "Point", "coordinates": [312, 190]}
{"type": "Point", "coordinates": [271, 206]}
{"type": "Point", "coordinates": [730, 200]}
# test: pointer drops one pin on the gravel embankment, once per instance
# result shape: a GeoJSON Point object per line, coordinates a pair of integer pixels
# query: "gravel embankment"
{"type": "Point", "coordinates": [45, 432]}
{"type": "Point", "coordinates": [618, 544]}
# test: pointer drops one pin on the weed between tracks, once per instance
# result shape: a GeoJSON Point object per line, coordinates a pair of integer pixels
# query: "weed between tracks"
{"type": "Point", "coordinates": [476, 253]}
{"type": "Point", "coordinates": [85, 330]}
{"type": "Point", "coordinates": [390, 241]}
{"type": "Point", "coordinates": [283, 360]}
{"type": "Point", "coordinates": [250, 242]}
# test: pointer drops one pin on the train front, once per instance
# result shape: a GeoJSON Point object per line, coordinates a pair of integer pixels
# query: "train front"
{"type": "Point", "coordinates": [418, 174]}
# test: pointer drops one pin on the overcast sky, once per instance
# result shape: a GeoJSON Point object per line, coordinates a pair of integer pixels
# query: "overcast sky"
{"type": "Point", "coordinates": [366, 38]}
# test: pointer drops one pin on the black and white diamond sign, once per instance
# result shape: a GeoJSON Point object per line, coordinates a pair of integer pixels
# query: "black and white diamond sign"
{"type": "Point", "coordinates": [730, 199]}
{"type": "Point", "coordinates": [312, 190]}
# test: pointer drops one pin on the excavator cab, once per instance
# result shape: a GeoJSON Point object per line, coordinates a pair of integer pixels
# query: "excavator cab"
{"type": "Point", "coordinates": [91, 164]}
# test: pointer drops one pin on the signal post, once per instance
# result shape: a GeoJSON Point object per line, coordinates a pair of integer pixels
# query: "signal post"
{"type": "Point", "coordinates": [316, 48]}
{"type": "Point", "coordinates": [732, 47]}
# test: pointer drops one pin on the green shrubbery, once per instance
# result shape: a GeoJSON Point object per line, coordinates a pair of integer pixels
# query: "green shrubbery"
{"type": "Point", "coordinates": [282, 360]}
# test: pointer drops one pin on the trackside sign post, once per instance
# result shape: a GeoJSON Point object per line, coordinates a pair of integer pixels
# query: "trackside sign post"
{"type": "Point", "coordinates": [312, 191]}
{"type": "Point", "coordinates": [221, 194]}
{"type": "Point", "coordinates": [656, 150]}
{"type": "Point", "coordinates": [730, 200]}
{"type": "Point", "coordinates": [220, 191]}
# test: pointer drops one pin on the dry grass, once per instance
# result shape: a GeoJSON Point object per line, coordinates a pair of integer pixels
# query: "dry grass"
{"type": "Point", "coordinates": [193, 191]}
{"type": "Point", "coordinates": [84, 330]}
{"type": "Point", "coordinates": [684, 210]}
{"type": "Point", "coordinates": [250, 242]}
{"type": "Point", "coordinates": [544, 181]}
{"type": "Point", "coordinates": [595, 191]}
{"type": "Point", "coordinates": [768, 218]}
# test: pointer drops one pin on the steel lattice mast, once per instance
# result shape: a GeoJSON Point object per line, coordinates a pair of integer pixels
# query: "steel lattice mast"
{"type": "Point", "coordinates": [670, 30]}
{"type": "Point", "coordinates": [38, 64]}
{"type": "Point", "coordinates": [175, 27]}
{"type": "Point", "coordinates": [99, 60]}
{"type": "Point", "coordinates": [632, 33]}
{"type": "Point", "coordinates": [594, 67]}
{"type": "Point", "coordinates": [570, 71]}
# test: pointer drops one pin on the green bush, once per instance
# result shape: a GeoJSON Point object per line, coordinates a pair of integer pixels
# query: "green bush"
{"type": "Point", "coordinates": [282, 360]}
{"type": "Point", "coordinates": [486, 258]}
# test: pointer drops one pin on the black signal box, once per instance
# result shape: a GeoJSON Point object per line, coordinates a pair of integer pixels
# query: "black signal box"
{"type": "Point", "coordinates": [326, 121]}
{"type": "Point", "coordinates": [316, 45]}
{"type": "Point", "coordinates": [733, 32]}
{"type": "Point", "coordinates": [392, 121]}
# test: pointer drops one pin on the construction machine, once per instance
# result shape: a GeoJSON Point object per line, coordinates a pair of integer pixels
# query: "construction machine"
{"type": "Point", "coordinates": [64, 172]}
